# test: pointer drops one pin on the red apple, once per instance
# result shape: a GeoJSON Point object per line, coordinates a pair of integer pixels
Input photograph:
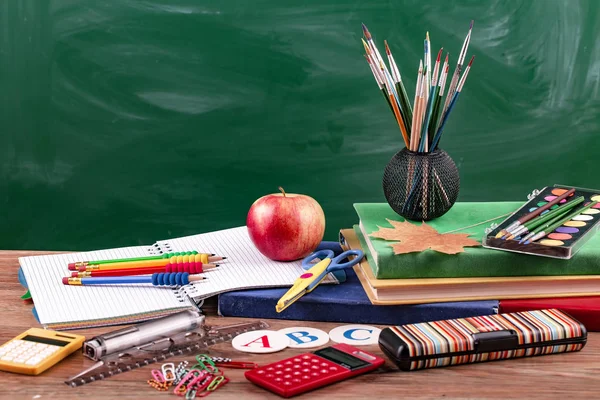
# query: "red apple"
{"type": "Point", "coordinates": [286, 226]}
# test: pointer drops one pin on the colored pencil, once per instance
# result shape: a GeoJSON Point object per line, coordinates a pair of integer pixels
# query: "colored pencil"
{"type": "Point", "coordinates": [144, 271]}
{"type": "Point", "coordinates": [536, 222]}
{"type": "Point", "coordinates": [547, 228]}
{"type": "Point", "coordinates": [534, 213]}
{"type": "Point", "coordinates": [129, 280]}
{"type": "Point", "coordinates": [463, 79]}
{"type": "Point", "coordinates": [75, 265]}
{"type": "Point", "coordinates": [147, 263]}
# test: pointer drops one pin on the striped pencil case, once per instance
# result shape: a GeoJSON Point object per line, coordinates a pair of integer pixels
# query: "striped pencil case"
{"type": "Point", "coordinates": [477, 339]}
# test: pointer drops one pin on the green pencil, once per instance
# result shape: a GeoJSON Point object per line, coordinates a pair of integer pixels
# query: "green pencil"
{"type": "Point", "coordinates": [166, 255]}
{"type": "Point", "coordinates": [536, 222]}
{"type": "Point", "coordinates": [547, 229]}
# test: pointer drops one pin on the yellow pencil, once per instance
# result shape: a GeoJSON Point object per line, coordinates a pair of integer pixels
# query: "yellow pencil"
{"type": "Point", "coordinates": [203, 258]}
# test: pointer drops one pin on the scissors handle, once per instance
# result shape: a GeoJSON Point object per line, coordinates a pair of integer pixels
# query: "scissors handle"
{"type": "Point", "coordinates": [335, 263]}
{"type": "Point", "coordinates": [321, 255]}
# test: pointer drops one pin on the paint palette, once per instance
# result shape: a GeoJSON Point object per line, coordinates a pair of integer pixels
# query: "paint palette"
{"type": "Point", "coordinates": [564, 241]}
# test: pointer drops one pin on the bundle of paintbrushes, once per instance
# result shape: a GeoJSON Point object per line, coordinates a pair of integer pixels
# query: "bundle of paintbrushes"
{"type": "Point", "coordinates": [421, 124]}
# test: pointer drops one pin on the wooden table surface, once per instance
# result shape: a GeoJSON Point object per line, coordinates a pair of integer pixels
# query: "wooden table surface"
{"type": "Point", "coordinates": [574, 375]}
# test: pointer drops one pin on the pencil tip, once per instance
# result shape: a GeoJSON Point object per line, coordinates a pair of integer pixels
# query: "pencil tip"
{"type": "Point", "coordinates": [224, 258]}
{"type": "Point", "coordinates": [427, 35]}
{"type": "Point", "coordinates": [216, 265]}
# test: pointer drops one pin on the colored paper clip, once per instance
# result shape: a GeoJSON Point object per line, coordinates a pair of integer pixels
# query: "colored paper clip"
{"type": "Point", "coordinates": [237, 364]}
{"type": "Point", "coordinates": [160, 386]}
{"type": "Point", "coordinates": [205, 383]}
{"type": "Point", "coordinates": [216, 383]}
{"type": "Point", "coordinates": [181, 387]}
{"type": "Point", "coordinates": [199, 379]}
{"type": "Point", "coordinates": [191, 394]}
{"type": "Point", "coordinates": [168, 372]}
{"type": "Point", "coordinates": [206, 363]}
{"type": "Point", "coordinates": [158, 376]}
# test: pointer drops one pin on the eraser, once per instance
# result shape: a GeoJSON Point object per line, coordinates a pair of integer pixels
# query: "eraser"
{"type": "Point", "coordinates": [65, 280]}
{"type": "Point", "coordinates": [72, 267]}
{"type": "Point", "coordinates": [74, 274]}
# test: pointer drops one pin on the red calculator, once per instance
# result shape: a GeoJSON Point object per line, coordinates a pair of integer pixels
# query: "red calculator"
{"type": "Point", "coordinates": [310, 371]}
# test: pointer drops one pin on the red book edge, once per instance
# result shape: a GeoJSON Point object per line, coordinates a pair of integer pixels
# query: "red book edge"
{"type": "Point", "coordinates": [584, 309]}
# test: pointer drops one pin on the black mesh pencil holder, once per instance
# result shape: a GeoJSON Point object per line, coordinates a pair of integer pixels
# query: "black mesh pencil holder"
{"type": "Point", "coordinates": [421, 186]}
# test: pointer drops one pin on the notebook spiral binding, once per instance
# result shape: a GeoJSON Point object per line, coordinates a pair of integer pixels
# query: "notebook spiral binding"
{"type": "Point", "coordinates": [158, 248]}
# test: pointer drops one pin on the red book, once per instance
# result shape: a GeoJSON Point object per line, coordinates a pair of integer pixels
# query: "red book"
{"type": "Point", "coordinates": [584, 309]}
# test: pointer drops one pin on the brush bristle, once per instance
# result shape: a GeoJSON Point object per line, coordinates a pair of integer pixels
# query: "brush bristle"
{"type": "Point", "coordinates": [387, 48]}
{"type": "Point", "coordinates": [439, 55]}
{"type": "Point", "coordinates": [471, 62]}
{"type": "Point", "coordinates": [366, 32]}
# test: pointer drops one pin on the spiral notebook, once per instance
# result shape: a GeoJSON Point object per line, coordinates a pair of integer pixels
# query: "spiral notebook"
{"type": "Point", "coordinates": [60, 306]}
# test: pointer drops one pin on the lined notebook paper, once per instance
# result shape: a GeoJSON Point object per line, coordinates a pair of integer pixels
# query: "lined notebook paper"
{"type": "Point", "coordinates": [244, 268]}
{"type": "Point", "coordinates": [61, 306]}
{"type": "Point", "coordinates": [69, 307]}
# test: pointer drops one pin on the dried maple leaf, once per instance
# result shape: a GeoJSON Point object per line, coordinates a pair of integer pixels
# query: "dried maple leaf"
{"type": "Point", "coordinates": [415, 238]}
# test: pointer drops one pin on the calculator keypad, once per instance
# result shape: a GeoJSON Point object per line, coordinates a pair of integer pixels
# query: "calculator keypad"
{"type": "Point", "coordinates": [298, 371]}
{"type": "Point", "coordinates": [26, 352]}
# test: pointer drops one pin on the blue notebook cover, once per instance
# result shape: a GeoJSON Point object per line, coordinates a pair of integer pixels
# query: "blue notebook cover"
{"type": "Point", "coordinates": [346, 302]}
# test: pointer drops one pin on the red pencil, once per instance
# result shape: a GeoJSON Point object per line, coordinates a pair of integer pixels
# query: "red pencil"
{"type": "Point", "coordinates": [143, 271]}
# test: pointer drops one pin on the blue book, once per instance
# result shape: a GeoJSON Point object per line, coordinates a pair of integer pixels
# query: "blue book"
{"type": "Point", "coordinates": [346, 302]}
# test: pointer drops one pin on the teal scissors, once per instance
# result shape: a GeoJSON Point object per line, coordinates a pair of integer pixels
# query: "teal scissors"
{"type": "Point", "coordinates": [316, 273]}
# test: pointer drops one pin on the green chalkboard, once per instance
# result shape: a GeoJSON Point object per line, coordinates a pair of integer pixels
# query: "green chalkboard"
{"type": "Point", "coordinates": [123, 122]}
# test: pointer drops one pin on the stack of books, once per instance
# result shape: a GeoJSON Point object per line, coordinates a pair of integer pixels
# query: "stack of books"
{"type": "Point", "coordinates": [417, 287]}
{"type": "Point", "coordinates": [478, 273]}
{"type": "Point", "coordinates": [520, 282]}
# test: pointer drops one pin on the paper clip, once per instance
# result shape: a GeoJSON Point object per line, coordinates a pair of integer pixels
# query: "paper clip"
{"type": "Point", "coordinates": [218, 381]}
{"type": "Point", "coordinates": [158, 376]}
{"type": "Point", "coordinates": [229, 363]}
{"type": "Point", "coordinates": [200, 388]}
{"type": "Point", "coordinates": [237, 364]}
{"type": "Point", "coordinates": [214, 385]}
{"type": "Point", "coordinates": [190, 395]}
{"type": "Point", "coordinates": [181, 387]}
{"type": "Point", "coordinates": [180, 371]}
{"type": "Point", "coordinates": [160, 386]}
{"type": "Point", "coordinates": [205, 363]}
{"type": "Point", "coordinates": [168, 372]}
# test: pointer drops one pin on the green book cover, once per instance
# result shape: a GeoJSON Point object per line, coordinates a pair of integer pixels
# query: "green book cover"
{"type": "Point", "coordinates": [475, 261]}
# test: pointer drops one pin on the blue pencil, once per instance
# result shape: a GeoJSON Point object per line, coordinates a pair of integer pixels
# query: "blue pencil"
{"type": "Point", "coordinates": [438, 134]}
{"type": "Point", "coordinates": [158, 279]}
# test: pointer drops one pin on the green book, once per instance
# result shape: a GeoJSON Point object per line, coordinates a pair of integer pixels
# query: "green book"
{"type": "Point", "coordinates": [475, 261]}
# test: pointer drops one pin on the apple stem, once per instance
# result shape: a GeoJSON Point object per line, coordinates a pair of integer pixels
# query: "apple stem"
{"type": "Point", "coordinates": [282, 191]}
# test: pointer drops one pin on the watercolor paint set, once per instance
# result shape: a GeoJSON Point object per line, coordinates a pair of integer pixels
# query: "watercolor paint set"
{"type": "Point", "coordinates": [556, 222]}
